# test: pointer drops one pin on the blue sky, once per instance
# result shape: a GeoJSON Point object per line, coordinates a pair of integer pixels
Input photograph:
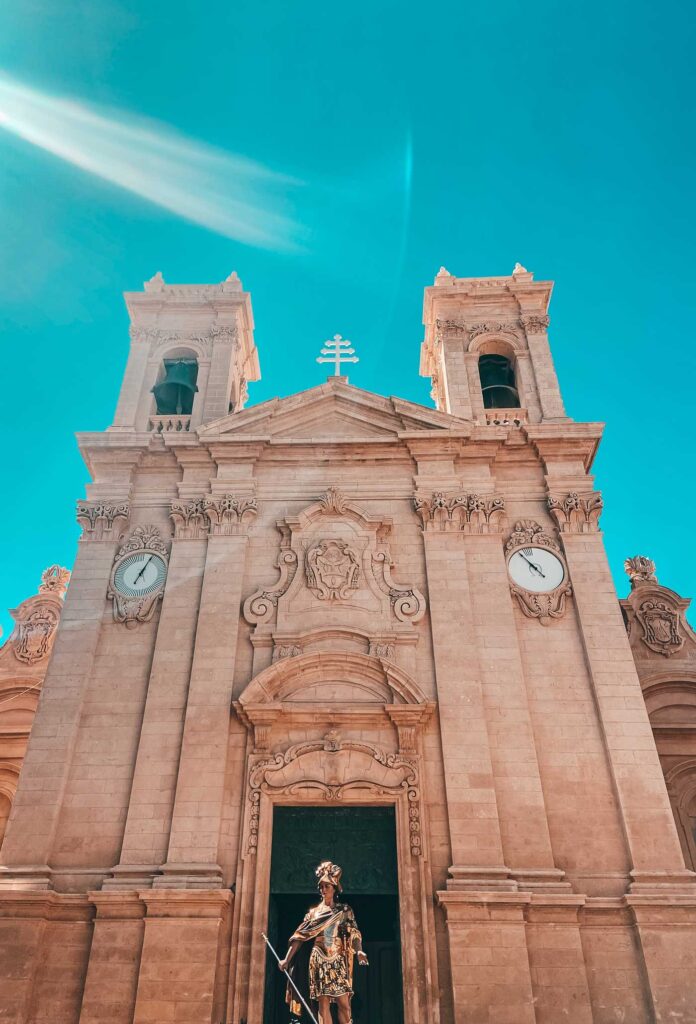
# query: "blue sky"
{"type": "Point", "coordinates": [336, 156]}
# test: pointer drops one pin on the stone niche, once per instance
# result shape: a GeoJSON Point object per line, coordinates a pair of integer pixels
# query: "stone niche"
{"type": "Point", "coordinates": [335, 590]}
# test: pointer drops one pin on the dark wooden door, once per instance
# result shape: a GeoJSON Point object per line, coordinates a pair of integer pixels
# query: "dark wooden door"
{"type": "Point", "coordinates": [363, 841]}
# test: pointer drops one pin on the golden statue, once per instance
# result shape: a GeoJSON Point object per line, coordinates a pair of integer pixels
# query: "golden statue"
{"type": "Point", "coordinates": [337, 941]}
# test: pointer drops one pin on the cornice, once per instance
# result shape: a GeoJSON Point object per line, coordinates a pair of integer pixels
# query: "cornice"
{"type": "Point", "coordinates": [565, 440]}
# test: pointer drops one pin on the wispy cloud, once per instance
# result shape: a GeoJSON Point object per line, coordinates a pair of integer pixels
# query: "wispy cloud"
{"type": "Point", "coordinates": [226, 193]}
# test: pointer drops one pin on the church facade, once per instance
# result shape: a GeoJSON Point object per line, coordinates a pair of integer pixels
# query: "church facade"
{"type": "Point", "coordinates": [349, 627]}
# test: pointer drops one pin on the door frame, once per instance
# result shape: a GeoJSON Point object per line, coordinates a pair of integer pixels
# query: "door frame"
{"type": "Point", "coordinates": [328, 770]}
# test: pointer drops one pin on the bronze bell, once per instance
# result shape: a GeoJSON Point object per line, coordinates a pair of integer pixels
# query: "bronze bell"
{"type": "Point", "coordinates": [498, 383]}
{"type": "Point", "coordinates": [174, 394]}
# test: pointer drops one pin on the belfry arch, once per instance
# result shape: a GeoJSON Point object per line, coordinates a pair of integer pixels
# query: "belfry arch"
{"type": "Point", "coordinates": [335, 728]}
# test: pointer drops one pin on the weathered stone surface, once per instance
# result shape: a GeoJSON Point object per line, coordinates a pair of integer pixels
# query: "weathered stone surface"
{"type": "Point", "coordinates": [338, 626]}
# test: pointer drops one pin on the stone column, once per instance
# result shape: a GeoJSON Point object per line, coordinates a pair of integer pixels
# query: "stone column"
{"type": "Point", "coordinates": [148, 824]}
{"type": "Point", "coordinates": [195, 833]}
{"type": "Point", "coordinates": [36, 809]}
{"type": "Point", "coordinates": [523, 823]}
{"type": "Point", "coordinates": [647, 817]}
{"type": "Point", "coordinates": [477, 853]}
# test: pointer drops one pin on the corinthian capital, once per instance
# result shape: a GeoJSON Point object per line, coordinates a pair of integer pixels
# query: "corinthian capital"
{"type": "Point", "coordinates": [229, 515]}
{"type": "Point", "coordinates": [189, 519]}
{"type": "Point", "coordinates": [534, 324]}
{"type": "Point", "coordinates": [576, 513]}
{"type": "Point", "coordinates": [461, 513]}
{"type": "Point", "coordinates": [102, 521]}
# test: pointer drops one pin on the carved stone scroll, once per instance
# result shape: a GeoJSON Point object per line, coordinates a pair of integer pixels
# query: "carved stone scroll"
{"type": "Point", "coordinates": [101, 521]}
{"type": "Point", "coordinates": [407, 602]}
{"type": "Point", "coordinates": [259, 608]}
{"type": "Point", "coordinates": [535, 324]}
{"type": "Point", "coordinates": [335, 770]}
{"type": "Point", "coordinates": [576, 513]}
{"type": "Point", "coordinates": [346, 576]}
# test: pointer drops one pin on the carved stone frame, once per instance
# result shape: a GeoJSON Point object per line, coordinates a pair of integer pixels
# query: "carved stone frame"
{"type": "Point", "coordinates": [326, 771]}
{"type": "Point", "coordinates": [542, 606]}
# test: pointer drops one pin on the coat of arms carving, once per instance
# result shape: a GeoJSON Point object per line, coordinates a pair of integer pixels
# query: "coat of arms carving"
{"type": "Point", "coordinates": [333, 570]}
{"type": "Point", "coordinates": [660, 627]}
{"type": "Point", "coordinates": [34, 634]}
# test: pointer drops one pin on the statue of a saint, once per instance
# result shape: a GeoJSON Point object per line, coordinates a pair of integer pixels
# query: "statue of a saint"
{"type": "Point", "coordinates": [337, 941]}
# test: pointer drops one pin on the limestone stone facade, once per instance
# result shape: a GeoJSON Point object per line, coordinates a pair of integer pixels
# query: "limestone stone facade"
{"type": "Point", "coordinates": [333, 620]}
{"type": "Point", "coordinates": [24, 659]}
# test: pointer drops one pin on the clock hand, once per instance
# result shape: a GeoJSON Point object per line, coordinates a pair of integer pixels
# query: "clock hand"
{"type": "Point", "coordinates": [533, 565]}
{"type": "Point", "coordinates": [142, 570]}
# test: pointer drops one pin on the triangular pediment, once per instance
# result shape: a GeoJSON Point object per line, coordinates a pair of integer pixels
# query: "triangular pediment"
{"type": "Point", "coordinates": [332, 412]}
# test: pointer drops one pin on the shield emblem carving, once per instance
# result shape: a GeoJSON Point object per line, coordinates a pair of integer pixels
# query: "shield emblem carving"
{"type": "Point", "coordinates": [333, 570]}
{"type": "Point", "coordinates": [660, 627]}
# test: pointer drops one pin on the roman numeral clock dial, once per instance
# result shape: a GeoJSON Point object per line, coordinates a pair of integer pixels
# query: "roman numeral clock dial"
{"type": "Point", "coordinates": [536, 569]}
{"type": "Point", "coordinates": [138, 576]}
{"type": "Point", "coordinates": [538, 574]}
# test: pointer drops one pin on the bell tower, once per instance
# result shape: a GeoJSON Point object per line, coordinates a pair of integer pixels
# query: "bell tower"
{"type": "Point", "coordinates": [486, 348]}
{"type": "Point", "coordinates": [192, 354]}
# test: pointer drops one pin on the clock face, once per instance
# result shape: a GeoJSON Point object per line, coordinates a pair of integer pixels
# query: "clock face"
{"type": "Point", "coordinates": [536, 569]}
{"type": "Point", "coordinates": [140, 574]}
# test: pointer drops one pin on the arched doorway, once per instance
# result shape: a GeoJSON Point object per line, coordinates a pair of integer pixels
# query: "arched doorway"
{"type": "Point", "coordinates": [334, 730]}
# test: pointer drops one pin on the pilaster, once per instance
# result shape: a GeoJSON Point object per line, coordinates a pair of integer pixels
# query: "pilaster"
{"type": "Point", "coordinates": [181, 958]}
{"type": "Point", "coordinates": [477, 852]}
{"type": "Point", "coordinates": [114, 960]}
{"type": "Point", "coordinates": [647, 817]}
{"type": "Point", "coordinates": [519, 795]}
{"type": "Point", "coordinates": [151, 802]}
{"type": "Point", "coordinates": [193, 846]}
{"type": "Point", "coordinates": [491, 978]}
{"type": "Point", "coordinates": [26, 849]}
{"type": "Point", "coordinates": [666, 927]}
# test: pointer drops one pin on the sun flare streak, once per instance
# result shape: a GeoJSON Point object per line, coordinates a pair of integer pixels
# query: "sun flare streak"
{"type": "Point", "coordinates": [228, 194]}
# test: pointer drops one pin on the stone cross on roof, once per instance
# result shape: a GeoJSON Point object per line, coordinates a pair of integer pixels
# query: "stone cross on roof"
{"type": "Point", "coordinates": [337, 350]}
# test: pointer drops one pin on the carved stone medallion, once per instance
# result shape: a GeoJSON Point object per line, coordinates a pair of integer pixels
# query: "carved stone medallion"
{"type": "Point", "coordinates": [660, 624]}
{"type": "Point", "coordinates": [333, 570]}
{"type": "Point", "coordinates": [34, 633]}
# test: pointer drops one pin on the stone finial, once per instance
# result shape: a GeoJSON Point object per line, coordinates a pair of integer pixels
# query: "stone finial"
{"type": "Point", "coordinates": [519, 269]}
{"type": "Point", "coordinates": [232, 283]}
{"type": "Point", "coordinates": [54, 580]}
{"type": "Point", "coordinates": [155, 284]}
{"type": "Point", "coordinates": [443, 272]}
{"type": "Point", "coordinates": [640, 570]}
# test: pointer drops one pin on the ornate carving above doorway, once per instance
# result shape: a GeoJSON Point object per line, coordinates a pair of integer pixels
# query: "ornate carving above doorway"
{"type": "Point", "coordinates": [345, 578]}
